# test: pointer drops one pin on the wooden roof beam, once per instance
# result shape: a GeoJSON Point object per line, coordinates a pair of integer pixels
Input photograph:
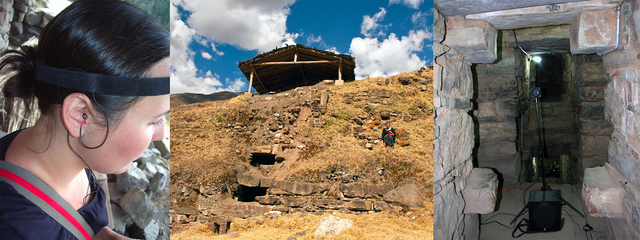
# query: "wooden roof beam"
{"type": "Point", "coordinates": [298, 62]}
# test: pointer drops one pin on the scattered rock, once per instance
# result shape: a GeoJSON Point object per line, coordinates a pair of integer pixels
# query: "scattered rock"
{"type": "Point", "coordinates": [331, 226]}
{"type": "Point", "coordinates": [404, 80]}
{"type": "Point", "coordinates": [137, 205]}
{"type": "Point", "coordinates": [409, 194]}
{"type": "Point", "coordinates": [133, 177]}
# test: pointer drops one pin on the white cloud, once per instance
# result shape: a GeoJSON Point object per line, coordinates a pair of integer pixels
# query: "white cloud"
{"type": "Point", "coordinates": [333, 50]}
{"type": "Point", "coordinates": [206, 55]}
{"type": "Point", "coordinates": [185, 77]}
{"type": "Point", "coordinates": [289, 39]}
{"type": "Point", "coordinates": [251, 25]}
{"type": "Point", "coordinates": [389, 57]}
{"type": "Point", "coordinates": [419, 19]}
{"type": "Point", "coordinates": [370, 24]}
{"type": "Point", "coordinates": [415, 4]}
{"type": "Point", "coordinates": [313, 39]}
{"type": "Point", "coordinates": [247, 24]}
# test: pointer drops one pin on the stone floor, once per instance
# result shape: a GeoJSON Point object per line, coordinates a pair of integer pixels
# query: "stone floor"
{"type": "Point", "coordinates": [510, 202]}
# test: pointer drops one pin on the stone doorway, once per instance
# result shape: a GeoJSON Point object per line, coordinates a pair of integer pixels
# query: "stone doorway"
{"type": "Point", "coordinates": [486, 118]}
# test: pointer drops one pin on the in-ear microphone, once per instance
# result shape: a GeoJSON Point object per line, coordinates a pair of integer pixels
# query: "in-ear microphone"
{"type": "Point", "coordinates": [84, 119]}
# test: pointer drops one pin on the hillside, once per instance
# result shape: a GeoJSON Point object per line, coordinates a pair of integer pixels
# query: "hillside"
{"type": "Point", "coordinates": [307, 150]}
{"type": "Point", "coordinates": [189, 98]}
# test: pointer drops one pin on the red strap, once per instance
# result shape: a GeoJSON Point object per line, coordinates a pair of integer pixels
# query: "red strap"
{"type": "Point", "coordinates": [33, 189]}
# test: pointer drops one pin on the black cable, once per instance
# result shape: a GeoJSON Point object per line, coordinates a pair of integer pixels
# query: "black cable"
{"type": "Point", "coordinates": [107, 117]}
{"type": "Point", "coordinates": [518, 227]}
{"type": "Point", "coordinates": [486, 221]}
{"type": "Point", "coordinates": [95, 180]}
{"type": "Point", "coordinates": [509, 227]}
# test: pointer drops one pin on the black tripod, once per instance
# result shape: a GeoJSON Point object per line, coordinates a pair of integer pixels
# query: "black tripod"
{"type": "Point", "coordinates": [543, 200]}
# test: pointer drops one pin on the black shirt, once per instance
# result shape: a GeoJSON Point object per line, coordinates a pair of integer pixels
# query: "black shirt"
{"type": "Point", "coordinates": [22, 219]}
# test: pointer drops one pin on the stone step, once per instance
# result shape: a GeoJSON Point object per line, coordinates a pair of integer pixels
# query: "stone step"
{"type": "Point", "coordinates": [603, 196]}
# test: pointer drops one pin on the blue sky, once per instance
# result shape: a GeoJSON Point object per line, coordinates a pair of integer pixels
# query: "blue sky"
{"type": "Point", "coordinates": [210, 37]}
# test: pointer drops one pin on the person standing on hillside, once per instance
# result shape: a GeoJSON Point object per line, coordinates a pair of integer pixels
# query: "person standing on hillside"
{"type": "Point", "coordinates": [388, 135]}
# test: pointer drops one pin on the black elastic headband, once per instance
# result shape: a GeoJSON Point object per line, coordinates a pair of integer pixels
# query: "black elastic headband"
{"type": "Point", "coordinates": [100, 83]}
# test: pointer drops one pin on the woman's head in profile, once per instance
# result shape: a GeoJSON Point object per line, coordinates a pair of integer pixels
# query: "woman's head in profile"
{"type": "Point", "coordinates": [99, 76]}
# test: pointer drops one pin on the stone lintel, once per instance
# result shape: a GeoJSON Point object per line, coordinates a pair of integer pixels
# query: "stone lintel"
{"type": "Point", "coordinates": [481, 192]}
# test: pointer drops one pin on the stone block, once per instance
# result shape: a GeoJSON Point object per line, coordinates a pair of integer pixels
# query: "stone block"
{"type": "Point", "coordinates": [248, 94]}
{"type": "Point", "coordinates": [487, 109]}
{"type": "Point", "coordinates": [158, 182]}
{"type": "Point", "coordinates": [16, 28]}
{"type": "Point", "coordinates": [327, 203]}
{"type": "Point", "coordinates": [593, 161]}
{"type": "Point", "coordinates": [133, 177]}
{"type": "Point", "coordinates": [456, 146]}
{"type": "Point", "coordinates": [509, 167]}
{"type": "Point", "coordinates": [602, 195]}
{"type": "Point", "coordinates": [380, 206]}
{"type": "Point", "coordinates": [248, 179]}
{"type": "Point", "coordinates": [507, 107]}
{"type": "Point", "coordinates": [119, 219]}
{"type": "Point", "coordinates": [360, 205]}
{"type": "Point", "coordinates": [457, 78]}
{"type": "Point", "coordinates": [409, 194]}
{"type": "Point", "coordinates": [292, 201]}
{"type": "Point", "coordinates": [593, 110]}
{"type": "Point", "coordinates": [592, 74]}
{"type": "Point", "coordinates": [268, 200]}
{"type": "Point", "coordinates": [331, 226]}
{"type": "Point", "coordinates": [324, 99]}
{"type": "Point", "coordinates": [138, 206]}
{"type": "Point", "coordinates": [481, 192]}
{"type": "Point", "coordinates": [476, 44]}
{"type": "Point", "coordinates": [34, 17]}
{"type": "Point", "coordinates": [594, 145]}
{"type": "Point", "coordinates": [364, 190]}
{"type": "Point", "coordinates": [114, 193]}
{"type": "Point", "coordinates": [152, 230]}
{"type": "Point", "coordinates": [448, 206]}
{"type": "Point", "coordinates": [498, 149]}
{"type": "Point", "coordinates": [497, 87]}
{"type": "Point", "coordinates": [593, 31]}
{"type": "Point", "coordinates": [185, 211]}
{"type": "Point", "coordinates": [300, 188]}
{"type": "Point", "coordinates": [622, 158]}
{"type": "Point", "coordinates": [595, 126]}
{"type": "Point", "coordinates": [339, 82]}
{"type": "Point", "coordinates": [498, 131]}
{"type": "Point", "coordinates": [262, 149]}
{"type": "Point", "coordinates": [147, 157]}
{"type": "Point", "coordinates": [591, 93]}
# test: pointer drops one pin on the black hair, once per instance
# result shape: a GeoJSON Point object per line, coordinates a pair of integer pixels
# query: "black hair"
{"type": "Point", "coordinates": [108, 37]}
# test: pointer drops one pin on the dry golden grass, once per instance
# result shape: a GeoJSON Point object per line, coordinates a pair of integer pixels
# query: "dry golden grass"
{"type": "Point", "coordinates": [416, 224]}
{"type": "Point", "coordinates": [344, 151]}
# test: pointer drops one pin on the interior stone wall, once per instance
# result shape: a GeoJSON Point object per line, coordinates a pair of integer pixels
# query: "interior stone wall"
{"type": "Point", "coordinates": [594, 129]}
{"type": "Point", "coordinates": [622, 109]}
{"type": "Point", "coordinates": [499, 87]}
{"type": "Point", "coordinates": [453, 139]}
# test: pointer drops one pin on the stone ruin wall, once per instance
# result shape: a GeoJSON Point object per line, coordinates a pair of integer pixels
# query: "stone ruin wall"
{"type": "Point", "coordinates": [622, 97]}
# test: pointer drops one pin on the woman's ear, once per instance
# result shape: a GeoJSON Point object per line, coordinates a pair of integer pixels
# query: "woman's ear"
{"type": "Point", "coordinates": [74, 106]}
